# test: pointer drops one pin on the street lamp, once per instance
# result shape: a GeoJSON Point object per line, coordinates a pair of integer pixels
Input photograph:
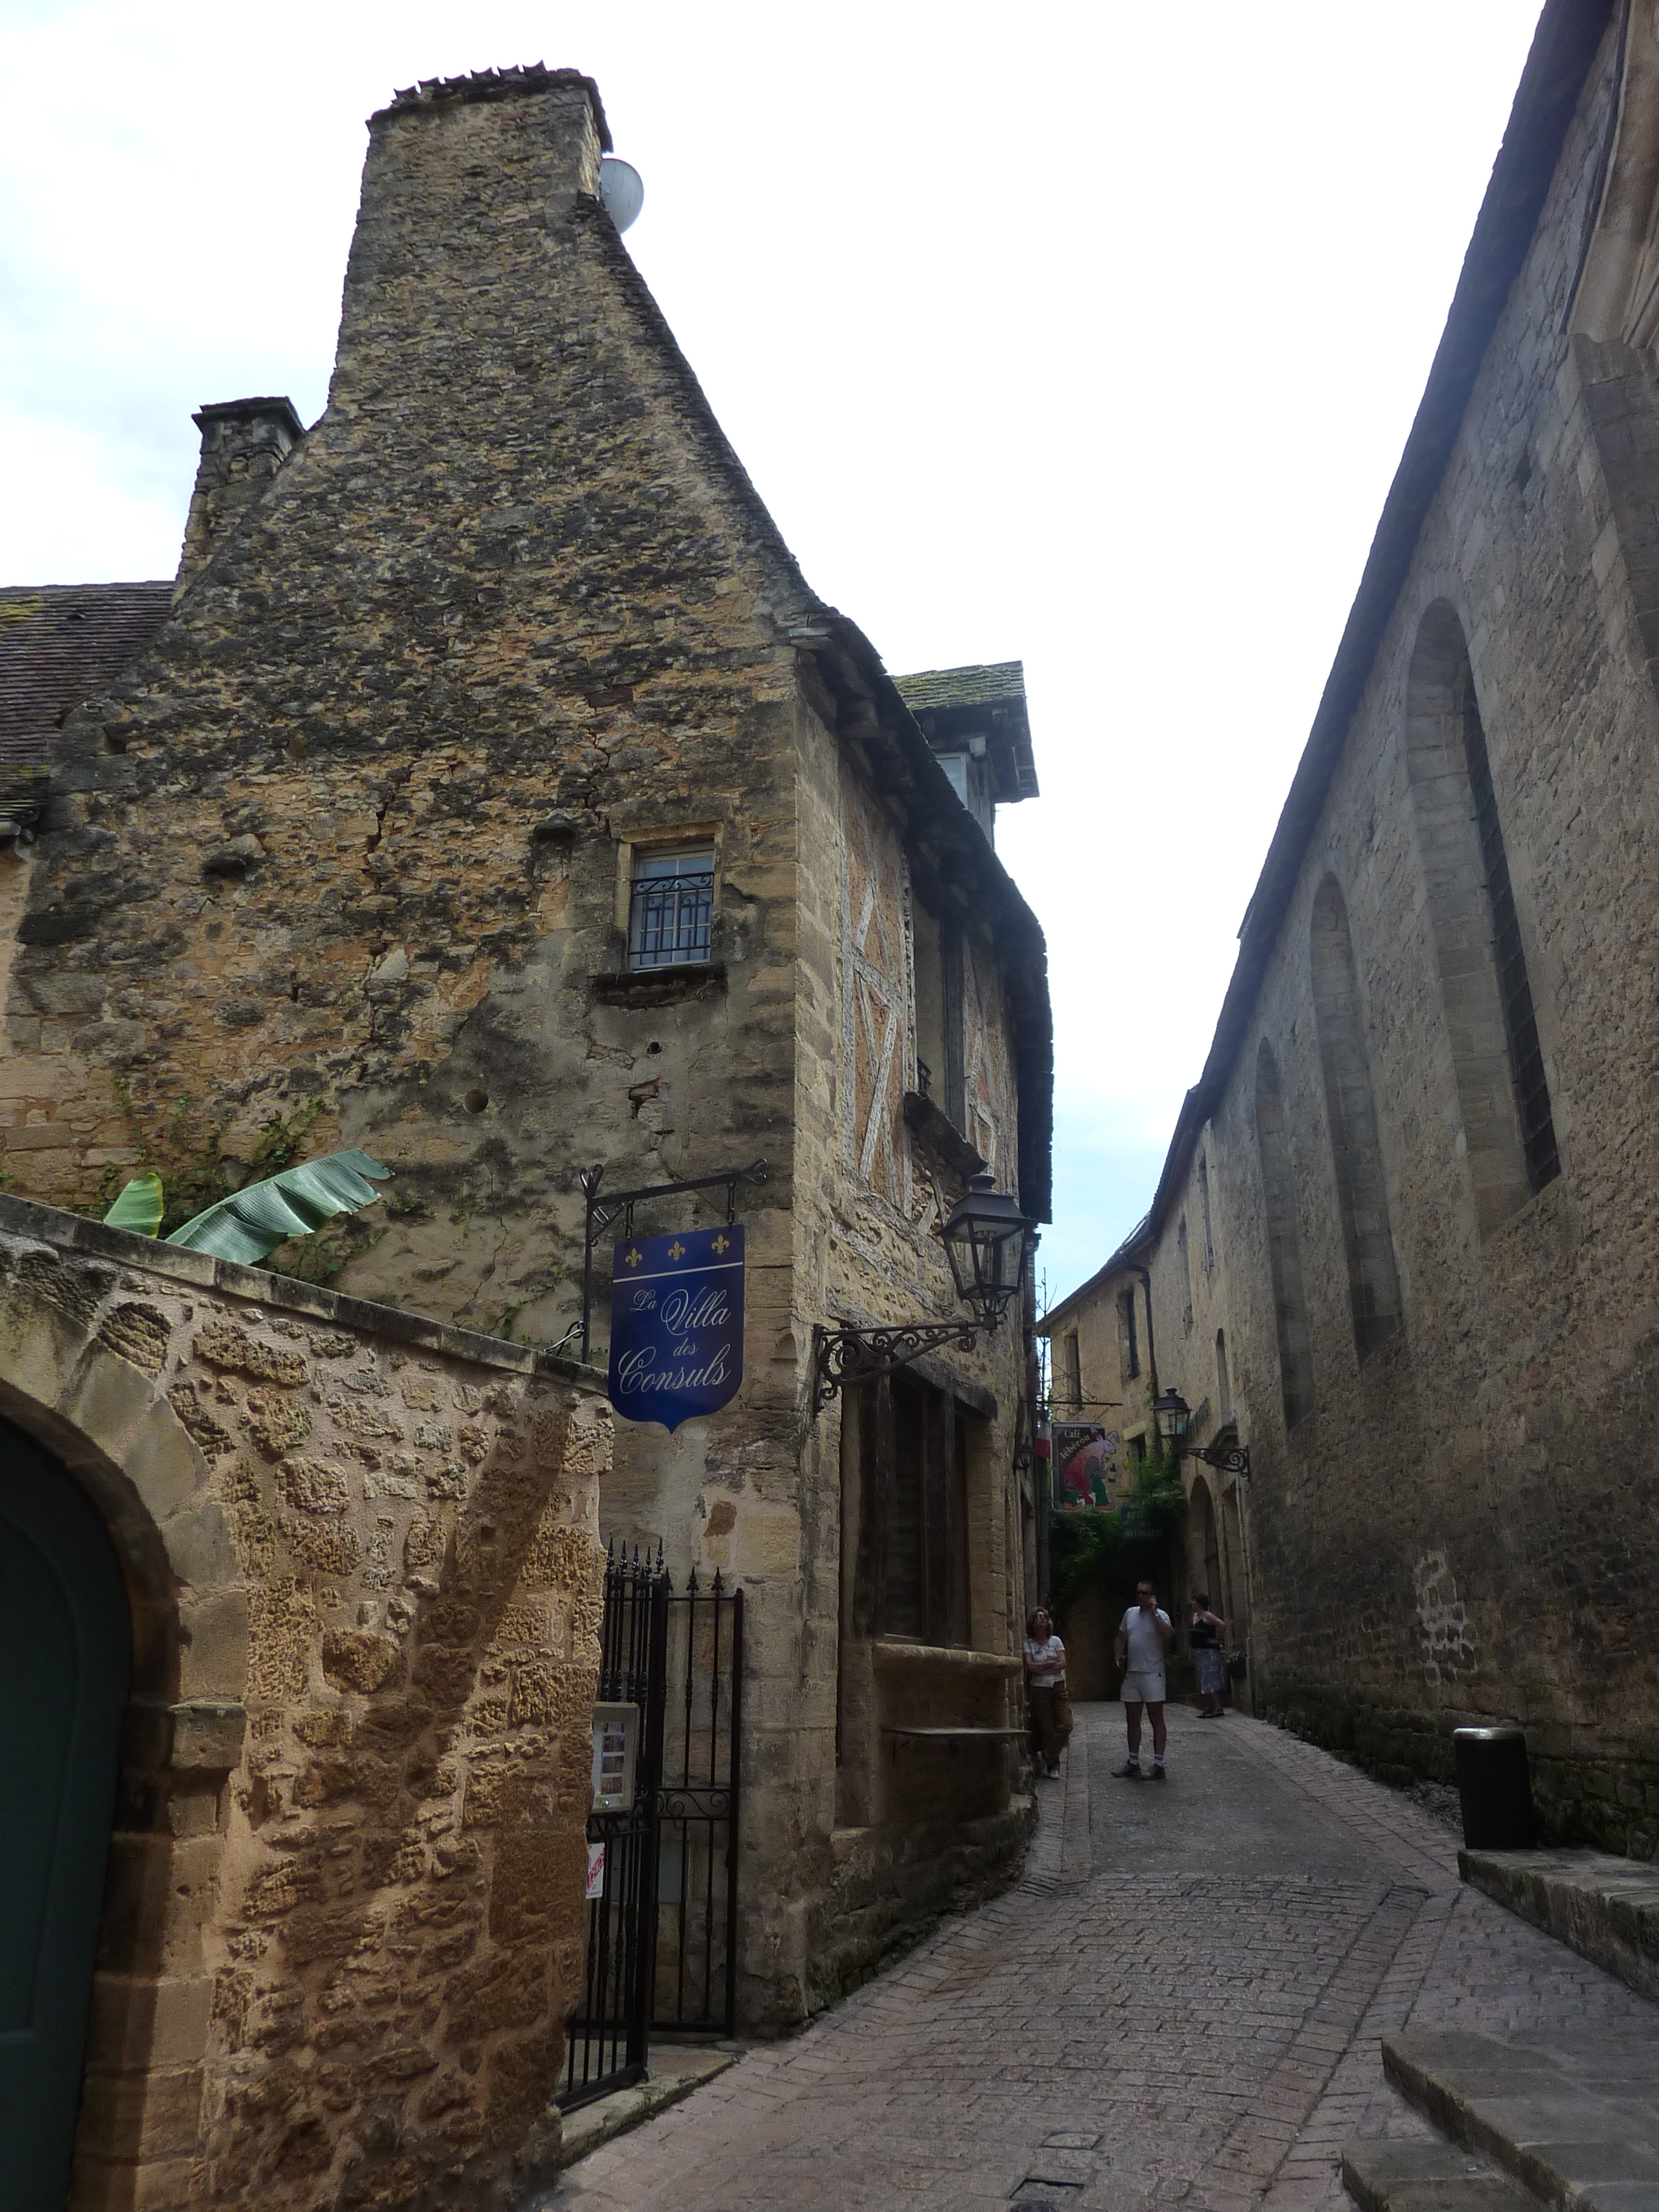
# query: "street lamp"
{"type": "Point", "coordinates": [985, 1243]}
{"type": "Point", "coordinates": [986, 1239]}
{"type": "Point", "coordinates": [1174, 1415]}
{"type": "Point", "coordinates": [1171, 1412]}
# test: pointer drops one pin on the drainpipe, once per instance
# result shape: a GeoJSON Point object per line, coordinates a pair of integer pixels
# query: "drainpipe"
{"type": "Point", "coordinates": [1146, 1275]}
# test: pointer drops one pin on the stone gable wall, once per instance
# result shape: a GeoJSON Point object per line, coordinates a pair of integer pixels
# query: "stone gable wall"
{"type": "Point", "coordinates": [348, 854]}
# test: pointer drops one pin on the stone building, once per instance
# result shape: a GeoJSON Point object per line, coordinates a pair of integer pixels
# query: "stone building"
{"type": "Point", "coordinates": [492, 792]}
{"type": "Point", "coordinates": [1407, 1225]}
{"type": "Point", "coordinates": [308, 1588]}
{"type": "Point", "coordinates": [1103, 1345]}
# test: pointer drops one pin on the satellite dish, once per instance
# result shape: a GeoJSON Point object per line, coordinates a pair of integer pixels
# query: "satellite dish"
{"type": "Point", "coordinates": [622, 190]}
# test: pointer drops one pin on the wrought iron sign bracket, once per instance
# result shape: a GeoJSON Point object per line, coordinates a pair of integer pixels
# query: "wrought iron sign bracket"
{"type": "Point", "coordinates": [618, 1206]}
{"type": "Point", "coordinates": [841, 1355]}
{"type": "Point", "coordinates": [1226, 1459]}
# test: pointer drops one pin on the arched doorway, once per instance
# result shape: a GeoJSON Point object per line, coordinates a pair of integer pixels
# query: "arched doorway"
{"type": "Point", "coordinates": [1203, 1546]}
{"type": "Point", "coordinates": [65, 1637]}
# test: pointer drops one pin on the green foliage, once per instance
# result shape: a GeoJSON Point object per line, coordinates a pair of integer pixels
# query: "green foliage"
{"type": "Point", "coordinates": [182, 1142]}
{"type": "Point", "coordinates": [1157, 1503]}
{"type": "Point", "coordinates": [1097, 1546]}
{"type": "Point", "coordinates": [139, 1206]}
{"type": "Point", "coordinates": [249, 1224]}
{"type": "Point", "coordinates": [1086, 1547]}
{"type": "Point", "coordinates": [252, 1223]}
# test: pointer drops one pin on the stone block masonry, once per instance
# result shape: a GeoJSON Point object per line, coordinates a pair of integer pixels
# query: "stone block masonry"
{"type": "Point", "coordinates": [344, 1924]}
{"type": "Point", "coordinates": [347, 856]}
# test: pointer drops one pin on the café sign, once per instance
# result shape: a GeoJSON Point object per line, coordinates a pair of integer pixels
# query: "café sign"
{"type": "Point", "coordinates": [677, 1324]}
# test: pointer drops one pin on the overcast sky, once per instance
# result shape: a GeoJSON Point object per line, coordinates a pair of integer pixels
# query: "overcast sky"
{"type": "Point", "coordinates": [1087, 335]}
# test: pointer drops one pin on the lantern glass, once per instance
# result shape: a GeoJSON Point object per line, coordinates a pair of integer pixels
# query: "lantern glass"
{"type": "Point", "coordinates": [985, 1243]}
{"type": "Point", "coordinates": [1172, 1413]}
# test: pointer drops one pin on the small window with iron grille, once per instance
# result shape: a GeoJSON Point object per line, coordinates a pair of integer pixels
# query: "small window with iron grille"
{"type": "Point", "coordinates": [671, 906]}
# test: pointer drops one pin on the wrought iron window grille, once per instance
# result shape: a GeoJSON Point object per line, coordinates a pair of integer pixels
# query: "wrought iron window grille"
{"type": "Point", "coordinates": [670, 910]}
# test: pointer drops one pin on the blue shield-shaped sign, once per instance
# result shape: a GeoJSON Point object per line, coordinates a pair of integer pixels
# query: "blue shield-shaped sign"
{"type": "Point", "coordinates": [677, 1324]}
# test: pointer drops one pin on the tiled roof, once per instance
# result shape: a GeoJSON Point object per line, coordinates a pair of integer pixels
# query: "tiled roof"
{"type": "Point", "coordinates": [989, 702]}
{"type": "Point", "coordinates": [61, 644]}
{"type": "Point", "coordinates": [996, 684]}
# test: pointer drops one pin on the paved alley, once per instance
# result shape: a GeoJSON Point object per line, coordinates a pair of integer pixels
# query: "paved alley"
{"type": "Point", "coordinates": [1182, 2002]}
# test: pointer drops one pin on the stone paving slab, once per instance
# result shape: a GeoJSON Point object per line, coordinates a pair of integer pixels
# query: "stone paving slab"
{"type": "Point", "coordinates": [676, 2069]}
{"type": "Point", "coordinates": [1607, 1908]}
{"type": "Point", "coordinates": [1437, 2177]}
{"type": "Point", "coordinates": [1576, 2121]}
{"type": "Point", "coordinates": [1186, 1995]}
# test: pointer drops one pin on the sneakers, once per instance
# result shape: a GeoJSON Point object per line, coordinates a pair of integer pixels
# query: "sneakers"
{"type": "Point", "coordinates": [1159, 1774]}
{"type": "Point", "coordinates": [1129, 1771]}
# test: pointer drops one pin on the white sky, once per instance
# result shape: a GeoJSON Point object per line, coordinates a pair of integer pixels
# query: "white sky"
{"type": "Point", "coordinates": [1088, 335]}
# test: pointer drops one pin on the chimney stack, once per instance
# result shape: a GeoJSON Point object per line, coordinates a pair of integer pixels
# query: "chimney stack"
{"type": "Point", "coordinates": [244, 443]}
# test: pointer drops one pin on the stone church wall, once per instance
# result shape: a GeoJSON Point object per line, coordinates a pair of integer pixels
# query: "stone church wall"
{"type": "Point", "coordinates": [1457, 1520]}
{"type": "Point", "coordinates": [343, 1925]}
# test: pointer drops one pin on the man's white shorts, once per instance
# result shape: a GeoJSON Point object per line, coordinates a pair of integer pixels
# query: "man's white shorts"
{"type": "Point", "coordinates": [1141, 1686]}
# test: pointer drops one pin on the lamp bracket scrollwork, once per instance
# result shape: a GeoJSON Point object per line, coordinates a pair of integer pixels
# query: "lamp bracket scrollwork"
{"type": "Point", "coordinates": [841, 1355]}
{"type": "Point", "coordinates": [1226, 1459]}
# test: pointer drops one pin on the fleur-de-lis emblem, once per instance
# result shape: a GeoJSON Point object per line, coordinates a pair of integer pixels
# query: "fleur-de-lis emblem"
{"type": "Point", "coordinates": [632, 1257]}
{"type": "Point", "coordinates": [676, 1250]}
{"type": "Point", "coordinates": [721, 1244]}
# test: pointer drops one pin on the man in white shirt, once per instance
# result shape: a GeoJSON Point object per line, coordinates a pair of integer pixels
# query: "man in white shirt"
{"type": "Point", "coordinates": [1143, 1636]}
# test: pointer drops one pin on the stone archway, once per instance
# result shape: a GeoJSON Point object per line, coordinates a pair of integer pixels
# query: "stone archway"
{"type": "Point", "coordinates": [64, 1648]}
{"type": "Point", "coordinates": [1203, 1545]}
{"type": "Point", "coordinates": [81, 1390]}
{"type": "Point", "coordinates": [362, 1579]}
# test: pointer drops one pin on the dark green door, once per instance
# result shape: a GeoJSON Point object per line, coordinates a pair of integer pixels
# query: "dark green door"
{"type": "Point", "coordinates": [64, 1646]}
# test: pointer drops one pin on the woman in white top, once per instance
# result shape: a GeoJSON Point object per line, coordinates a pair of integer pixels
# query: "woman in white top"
{"type": "Point", "coordinates": [1045, 1691]}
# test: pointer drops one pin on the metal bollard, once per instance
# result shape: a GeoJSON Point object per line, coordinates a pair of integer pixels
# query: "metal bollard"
{"type": "Point", "coordinates": [1494, 1788]}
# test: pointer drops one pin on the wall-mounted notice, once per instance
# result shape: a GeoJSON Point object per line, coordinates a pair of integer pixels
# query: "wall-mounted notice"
{"type": "Point", "coordinates": [616, 1748]}
{"type": "Point", "coordinates": [677, 1324]}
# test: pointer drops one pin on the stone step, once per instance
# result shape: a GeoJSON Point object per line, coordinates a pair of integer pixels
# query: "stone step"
{"type": "Point", "coordinates": [1606, 1908]}
{"type": "Point", "coordinates": [1428, 2177]}
{"type": "Point", "coordinates": [1576, 2122]}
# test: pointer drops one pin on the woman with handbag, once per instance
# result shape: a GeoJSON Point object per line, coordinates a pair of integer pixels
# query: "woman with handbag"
{"type": "Point", "coordinates": [1205, 1636]}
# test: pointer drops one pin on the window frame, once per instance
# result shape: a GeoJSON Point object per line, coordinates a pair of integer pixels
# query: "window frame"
{"type": "Point", "coordinates": [658, 839]}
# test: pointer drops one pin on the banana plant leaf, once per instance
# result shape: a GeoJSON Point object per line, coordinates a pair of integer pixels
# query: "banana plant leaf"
{"type": "Point", "coordinates": [140, 1206]}
{"type": "Point", "coordinates": [251, 1224]}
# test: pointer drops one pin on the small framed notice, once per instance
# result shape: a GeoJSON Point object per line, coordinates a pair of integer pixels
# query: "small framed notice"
{"type": "Point", "coordinates": [615, 1746]}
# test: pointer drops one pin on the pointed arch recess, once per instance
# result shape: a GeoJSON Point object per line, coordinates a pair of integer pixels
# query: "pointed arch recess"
{"type": "Point", "coordinates": [1502, 1093]}
{"type": "Point", "coordinates": [1284, 1243]}
{"type": "Point", "coordinates": [1350, 1111]}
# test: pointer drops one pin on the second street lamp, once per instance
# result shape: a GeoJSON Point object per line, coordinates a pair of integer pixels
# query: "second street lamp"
{"type": "Point", "coordinates": [1174, 1417]}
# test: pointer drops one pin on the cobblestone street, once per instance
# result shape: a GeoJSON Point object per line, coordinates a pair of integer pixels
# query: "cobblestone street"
{"type": "Point", "coordinates": [1181, 2002]}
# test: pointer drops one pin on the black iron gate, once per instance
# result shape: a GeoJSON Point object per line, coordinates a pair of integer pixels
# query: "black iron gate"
{"type": "Point", "coordinates": [662, 1915]}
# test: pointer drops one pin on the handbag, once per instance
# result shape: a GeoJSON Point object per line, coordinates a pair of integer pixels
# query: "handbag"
{"type": "Point", "coordinates": [1238, 1665]}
